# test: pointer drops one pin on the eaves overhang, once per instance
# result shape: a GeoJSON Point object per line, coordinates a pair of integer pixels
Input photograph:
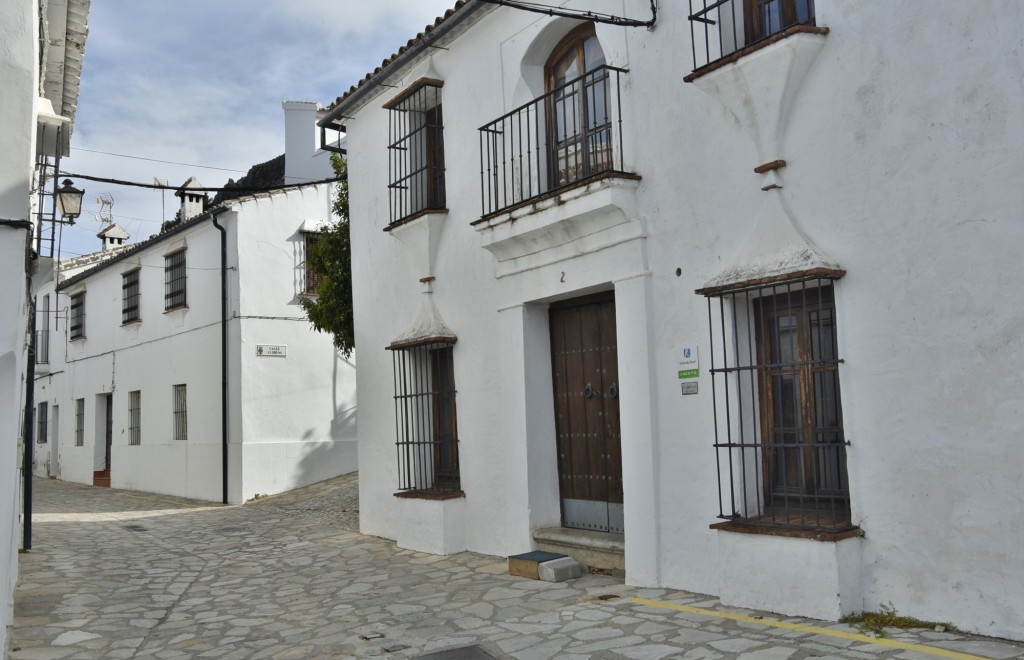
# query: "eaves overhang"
{"type": "Point", "coordinates": [65, 28]}
{"type": "Point", "coordinates": [446, 28]}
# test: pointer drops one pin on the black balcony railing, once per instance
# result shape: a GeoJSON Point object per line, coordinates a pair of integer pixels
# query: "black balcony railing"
{"type": "Point", "coordinates": [721, 27]}
{"type": "Point", "coordinates": [569, 135]}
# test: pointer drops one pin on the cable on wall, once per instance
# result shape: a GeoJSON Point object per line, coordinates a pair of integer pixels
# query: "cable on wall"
{"type": "Point", "coordinates": [596, 17]}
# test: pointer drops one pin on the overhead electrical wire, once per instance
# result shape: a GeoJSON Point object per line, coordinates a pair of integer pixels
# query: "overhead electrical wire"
{"type": "Point", "coordinates": [157, 186]}
{"type": "Point", "coordinates": [157, 160]}
{"type": "Point", "coordinates": [597, 17]}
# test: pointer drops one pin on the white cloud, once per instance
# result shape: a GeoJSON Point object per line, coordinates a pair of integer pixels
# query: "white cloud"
{"type": "Point", "coordinates": [201, 81]}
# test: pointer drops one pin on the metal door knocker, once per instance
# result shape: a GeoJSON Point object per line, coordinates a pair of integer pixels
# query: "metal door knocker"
{"type": "Point", "coordinates": [613, 391]}
{"type": "Point", "coordinates": [588, 392]}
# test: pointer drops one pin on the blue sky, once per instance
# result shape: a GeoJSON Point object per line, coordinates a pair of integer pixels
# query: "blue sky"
{"type": "Point", "coordinates": [201, 82]}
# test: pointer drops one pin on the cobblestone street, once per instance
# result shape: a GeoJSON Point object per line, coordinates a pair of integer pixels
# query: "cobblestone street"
{"type": "Point", "coordinates": [117, 574]}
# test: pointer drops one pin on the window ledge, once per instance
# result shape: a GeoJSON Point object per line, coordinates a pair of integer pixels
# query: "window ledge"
{"type": "Point", "coordinates": [753, 48]}
{"type": "Point", "coordinates": [765, 530]}
{"type": "Point", "coordinates": [80, 338]}
{"type": "Point", "coordinates": [176, 309]}
{"type": "Point", "coordinates": [132, 322]}
{"type": "Point", "coordinates": [415, 216]}
{"type": "Point", "coordinates": [429, 495]}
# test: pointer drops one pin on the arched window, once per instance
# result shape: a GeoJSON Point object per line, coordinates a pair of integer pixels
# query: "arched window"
{"type": "Point", "coordinates": [579, 114]}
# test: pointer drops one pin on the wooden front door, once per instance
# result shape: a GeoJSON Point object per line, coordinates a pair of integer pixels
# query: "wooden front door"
{"type": "Point", "coordinates": [586, 388]}
{"type": "Point", "coordinates": [108, 431]}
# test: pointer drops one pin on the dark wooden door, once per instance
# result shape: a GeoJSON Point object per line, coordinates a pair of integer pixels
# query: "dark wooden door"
{"type": "Point", "coordinates": [109, 430]}
{"type": "Point", "coordinates": [585, 369]}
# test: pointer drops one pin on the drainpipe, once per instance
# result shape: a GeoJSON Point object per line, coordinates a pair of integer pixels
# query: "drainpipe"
{"type": "Point", "coordinates": [223, 354]}
{"type": "Point", "coordinates": [28, 432]}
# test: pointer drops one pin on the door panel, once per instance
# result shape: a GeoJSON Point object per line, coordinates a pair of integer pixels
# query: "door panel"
{"type": "Point", "coordinates": [584, 361]}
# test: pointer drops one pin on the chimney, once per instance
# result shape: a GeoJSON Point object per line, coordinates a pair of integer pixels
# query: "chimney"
{"type": "Point", "coordinates": [193, 202]}
{"type": "Point", "coordinates": [113, 236]}
{"type": "Point", "coordinates": [303, 161]}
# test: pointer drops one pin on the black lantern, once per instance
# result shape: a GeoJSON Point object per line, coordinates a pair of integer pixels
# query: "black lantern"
{"type": "Point", "coordinates": [69, 201]}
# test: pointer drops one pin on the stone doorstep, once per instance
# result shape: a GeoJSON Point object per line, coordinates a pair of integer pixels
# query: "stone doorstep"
{"type": "Point", "coordinates": [602, 550]}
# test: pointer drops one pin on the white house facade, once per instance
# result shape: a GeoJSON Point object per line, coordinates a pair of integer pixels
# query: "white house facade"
{"type": "Point", "coordinates": [135, 369]}
{"type": "Point", "coordinates": [755, 333]}
{"type": "Point", "coordinates": [40, 67]}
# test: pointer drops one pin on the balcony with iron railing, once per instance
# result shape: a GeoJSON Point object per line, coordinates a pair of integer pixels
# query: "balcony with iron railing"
{"type": "Point", "coordinates": [723, 31]}
{"type": "Point", "coordinates": [567, 138]}
{"type": "Point", "coordinates": [41, 347]}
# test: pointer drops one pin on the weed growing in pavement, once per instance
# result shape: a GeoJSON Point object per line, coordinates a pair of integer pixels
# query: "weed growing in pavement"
{"type": "Point", "coordinates": [888, 617]}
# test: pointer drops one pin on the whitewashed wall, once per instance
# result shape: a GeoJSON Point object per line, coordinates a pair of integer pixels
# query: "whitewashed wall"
{"type": "Point", "coordinates": [291, 420]}
{"type": "Point", "coordinates": [19, 78]}
{"type": "Point", "coordinates": [903, 163]}
{"type": "Point", "coordinates": [297, 412]}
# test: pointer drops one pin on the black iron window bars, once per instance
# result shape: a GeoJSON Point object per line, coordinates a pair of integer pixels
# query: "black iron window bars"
{"type": "Point", "coordinates": [76, 325]}
{"type": "Point", "coordinates": [566, 136]}
{"type": "Point", "coordinates": [135, 417]}
{"type": "Point", "coordinates": [130, 296]}
{"type": "Point", "coordinates": [425, 418]}
{"type": "Point", "coordinates": [779, 442]}
{"type": "Point", "coordinates": [721, 27]}
{"type": "Point", "coordinates": [174, 280]}
{"type": "Point", "coordinates": [416, 151]}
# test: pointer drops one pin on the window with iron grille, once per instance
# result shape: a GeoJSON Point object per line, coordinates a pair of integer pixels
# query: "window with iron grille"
{"type": "Point", "coordinates": [779, 438]}
{"type": "Point", "coordinates": [180, 413]}
{"type": "Point", "coordinates": [130, 296]}
{"type": "Point", "coordinates": [730, 25]}
{"type": "Point", "coordinates": [416, 150]}
{"type": "Point", "coordinates": [428, 442]}
{"type": "Point", "coordinates": [79, 422]}
{"type": "Point", "coordinates": [312, 277]}
{"type": "Point", "coordinates": [42, 423]}
{"type": "Point", "coordinates": [174, 280]}
{"type": "Point", "coordinates": [42, 339]}
{"type": "Point", "coordinates": [76, 323]}
{"type": "Point", "coordinates": [135, 417]}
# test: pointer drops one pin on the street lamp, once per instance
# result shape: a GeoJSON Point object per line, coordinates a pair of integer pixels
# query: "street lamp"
{"type": "Point", "coordinates": [69, 201]}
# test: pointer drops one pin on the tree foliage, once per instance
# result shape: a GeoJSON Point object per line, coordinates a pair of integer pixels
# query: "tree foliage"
{"type": "Point", "coordinates": [330, 257]}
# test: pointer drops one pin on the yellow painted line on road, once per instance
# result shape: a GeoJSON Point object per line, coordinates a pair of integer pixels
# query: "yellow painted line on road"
{"type": "Point", "coordinates": [814, 630]}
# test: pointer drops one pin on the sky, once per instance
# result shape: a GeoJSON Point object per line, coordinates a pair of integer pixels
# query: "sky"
{"type": "Point", "coordinates": [201, 82]}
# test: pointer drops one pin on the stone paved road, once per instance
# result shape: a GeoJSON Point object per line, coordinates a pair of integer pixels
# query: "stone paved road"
{"type": "Point", "coordinates": [116, 574]}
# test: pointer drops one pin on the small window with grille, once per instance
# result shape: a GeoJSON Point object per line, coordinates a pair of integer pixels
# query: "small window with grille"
{"type": "Point", "coordinates": [135, 417]}
{"type": "Point", "coordinates": [130, 296]}
{"type": "Point", "coordinates": [778, 417]}
{"type": "Point", "coordinates": [416, 151]}
{"type": "Point", "coordinates": [312, 277]}
{"type": "Point", "coordinates": [180, 412]}
{"type": "Point", "coordinates": [76, 322]}
{"type": "Point", "coordinates": [42, 423]}
{"type": "Point", "coordinates": [428, 442]}
{"type": "Point", "coordinates": [79, 422]}
{"type": "Point", "coordinates": [174, 280]}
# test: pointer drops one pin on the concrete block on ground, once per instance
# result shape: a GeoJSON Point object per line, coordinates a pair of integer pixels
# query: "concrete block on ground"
{"type": "Point", "coordinates": [559, 570]}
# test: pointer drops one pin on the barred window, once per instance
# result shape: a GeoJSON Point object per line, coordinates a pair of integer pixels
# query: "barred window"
{"type": "Point", "coordinates": [180, 413]}
{"type": "Point", "coordinates": [76, 325]}
{"type": "Point", "coordinates": [41, 345]}
{"type": "Point", "coordinates": [779, 428]}
{"type": "Point", "coordinates": [312, 277]}
{"type": "Point", "coordinates": [42, 423]}
{"type": "Point", "coordinates": [135, 417]}
{"type": "Point", "coordinates": [174, 280]}
{"type": "Point", "coordinates": [427, 439]}
{"type": "Point", "coordinates": [130, 296]}
{"type": "Point", "coordinates": [79, 422]}
{"type": "Point", "coordinates": [416, 150]}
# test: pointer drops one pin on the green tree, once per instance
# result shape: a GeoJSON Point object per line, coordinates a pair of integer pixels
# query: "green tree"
{"type": "Point", "coordinates": [331, 258]}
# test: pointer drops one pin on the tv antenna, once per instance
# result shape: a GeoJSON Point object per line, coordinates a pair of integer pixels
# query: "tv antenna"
{"type": "Point", "coordinates": [163, 194]}
{"type": "Point", "coordinates": [106, 212]}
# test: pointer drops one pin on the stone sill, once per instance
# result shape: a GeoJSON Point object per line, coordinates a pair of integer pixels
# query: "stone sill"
{"type": "Point", "coordinates": [428, 495]}
{"type": "Point", "coordinates": [415, 216]}
{"type": "Point", "coordinates": [810, 534]}
{"type": "Point", "coordinates": [536, 202]}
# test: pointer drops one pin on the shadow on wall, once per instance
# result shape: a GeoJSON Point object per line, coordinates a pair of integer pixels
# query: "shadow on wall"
{"type": "Point", "coordinates": [339, 456]}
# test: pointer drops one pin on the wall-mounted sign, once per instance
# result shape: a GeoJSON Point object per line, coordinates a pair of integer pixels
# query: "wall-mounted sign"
{"type": "Point", "coordinates": [689, 386]}
{"type": "Point", "coordinates": [271, 350]}
{"type": "Point", "coordinates": [688, 367]}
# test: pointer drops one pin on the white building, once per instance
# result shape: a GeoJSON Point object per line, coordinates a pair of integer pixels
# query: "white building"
{"type": "Point", "coordinates": [40, 67]}
{"type": "Point", "coordinates": [757, 335]}
{"type": "Point", "coordinates": [135, 389]}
